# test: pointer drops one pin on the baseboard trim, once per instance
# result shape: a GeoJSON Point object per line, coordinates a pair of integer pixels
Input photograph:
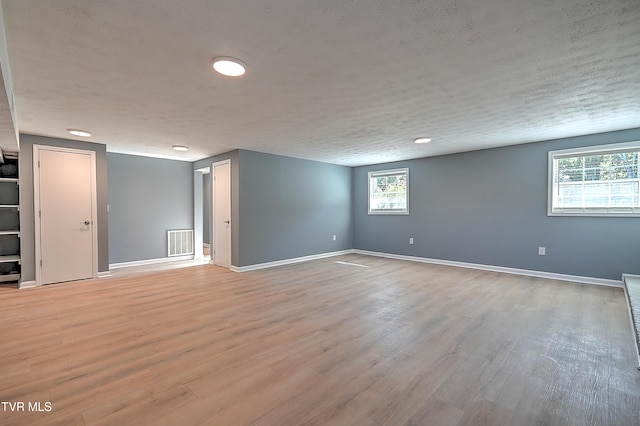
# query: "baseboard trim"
{"type": "Point", "coordinates": [288, 261]}
{"type": "Point", "coordinates": [515, 271]}
{"type": "Point", "coordinates": [104, 274]}
{"type": "Point", "coordinates": [27, 284]}
{"type": "Point", "coordinates": [479, 266]}
{"type": "Point", "coordinates": [149, 261]}
{"type": "Point", "coordinates": [630, 277]}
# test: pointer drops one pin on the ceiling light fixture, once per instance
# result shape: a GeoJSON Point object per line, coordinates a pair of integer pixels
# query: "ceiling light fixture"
{"type": "Point", "coordinates": [78, 132]}
{"type": "Point", "coordinates": [422, 140]}
{"type": "Point", "coordinates": [229, 66]}
{"type": "Point", "coordinates": [180, 148]}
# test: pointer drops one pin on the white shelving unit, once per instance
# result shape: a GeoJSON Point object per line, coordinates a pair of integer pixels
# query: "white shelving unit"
{"type": "Point", "coordinates": [9, 221]}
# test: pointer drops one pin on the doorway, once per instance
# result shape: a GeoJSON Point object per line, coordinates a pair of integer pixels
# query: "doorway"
{"type": "Point", "coordinates": [65, 207]}
{"type": "Point", "coordinates": [206, 215]}
{"type": "Point", "coordinates": [221, 238]}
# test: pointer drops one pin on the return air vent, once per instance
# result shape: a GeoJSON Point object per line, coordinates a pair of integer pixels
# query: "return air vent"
{"type": "Point", "coordinates": [180, 242]}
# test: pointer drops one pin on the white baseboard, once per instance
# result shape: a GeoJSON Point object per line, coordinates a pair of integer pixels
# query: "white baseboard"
{"type": "Point", "coordinates": [27, 284]}
{"type": "Point", "coordinates": [287, 261]}
{"type": "Point", "coordinates": [515, 271]}
{"type": "Point", "coordinates": [149, 261]}
{"type": "Point", "coordinates": [104, 274]}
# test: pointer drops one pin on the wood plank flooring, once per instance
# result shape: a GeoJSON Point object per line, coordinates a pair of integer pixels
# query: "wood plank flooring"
{"type": "Point", "coordinates": [319, 343]}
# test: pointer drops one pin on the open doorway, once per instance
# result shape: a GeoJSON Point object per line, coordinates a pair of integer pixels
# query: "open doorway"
{"type": "Point", "coordinates": [206, 216]}
{"type": "Point", "coordinates": [202, 214]}
{"type": "Point", "coordinates": [212, 214]}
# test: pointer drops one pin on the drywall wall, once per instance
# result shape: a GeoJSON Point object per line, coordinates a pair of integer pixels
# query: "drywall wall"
{"type": "Point", "coordinates": [283, 207]}
{"type": "Point", "coordinates": [9, 138]}
{"type": "Point", "coordinates": [27, 218]}
{"type": "Point", "coordinates": [490, 207]}
{"type": "Point", "coordinates": [147, 197]}
{"type": "Point", "coordinates": [291, 208]}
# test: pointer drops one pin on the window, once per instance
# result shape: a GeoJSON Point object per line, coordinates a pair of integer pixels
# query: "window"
{"type": "Point", "coordinates": [595, 181]}
{"type": "Point", "coordinates": [389, 192]}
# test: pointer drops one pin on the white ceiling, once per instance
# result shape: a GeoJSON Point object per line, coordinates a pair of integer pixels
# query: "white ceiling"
{"type": "Point", "coordinates": [346, 82]}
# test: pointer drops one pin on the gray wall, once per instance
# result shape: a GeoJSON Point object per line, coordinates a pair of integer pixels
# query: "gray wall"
{"type": "Point", "coordinates": [147, 197]}
{"type": "Point", "coordinates": [291, 208]}
{"type": "Point", "coordinates": [27, 218]}
{"type": "Point", "coordinates": [487, 207]}
{"type": "Point", "coordinates": [490, 207]}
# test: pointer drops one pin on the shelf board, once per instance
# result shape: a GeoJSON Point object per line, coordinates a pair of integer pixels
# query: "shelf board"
{"type": "Point", "coordinates": [14, 258]}
{"type": "Point", "coordinates": [9, 206]}
{"type": "Point", "coordinates": [9, 277]}
{"type": "Point", "coordinates": [10, 232]}
{"type": "Point", "coordinates": [15, 180]}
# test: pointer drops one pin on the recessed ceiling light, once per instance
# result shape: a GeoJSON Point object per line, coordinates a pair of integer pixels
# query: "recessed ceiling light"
{"type": "Point", "coordinates": [78, 132]}
{"type": "Point", "coordinates": [229, 66]}
{"type": "Point", "coordinates": [422, 140]}
{"type": "Point", "coordinates": [180, 148]}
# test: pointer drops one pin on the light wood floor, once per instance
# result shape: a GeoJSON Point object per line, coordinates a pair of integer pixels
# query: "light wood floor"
{"type": "Point", "coordinates": [319, 343]}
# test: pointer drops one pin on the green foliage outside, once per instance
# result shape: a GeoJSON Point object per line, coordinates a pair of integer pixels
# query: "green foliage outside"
{"type": "Point", "coordinates": [393, 183]}
{"type": "Point", "coordinates": [389, 192]}
{"type": "Point", "coordinates": [616, 166]}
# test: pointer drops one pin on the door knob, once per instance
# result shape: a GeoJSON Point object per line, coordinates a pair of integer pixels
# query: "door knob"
{"type": "Point", "coordinates": [87, 222]}
{"type": "Point", "coordinates": [226, 221]}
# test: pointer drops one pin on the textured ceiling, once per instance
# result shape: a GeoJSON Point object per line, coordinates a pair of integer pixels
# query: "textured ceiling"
{"type": "Point", "coordinates": [346, 82]}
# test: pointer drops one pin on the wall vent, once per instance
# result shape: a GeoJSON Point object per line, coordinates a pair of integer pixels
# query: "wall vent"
{"type": "Point", "coordinates": [180, 242]}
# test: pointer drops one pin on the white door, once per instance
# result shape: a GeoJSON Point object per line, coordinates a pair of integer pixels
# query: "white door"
{"type": "Point", "coordinates": [65, 213]}
{"type": "Point", "coordinates": [221, 185]}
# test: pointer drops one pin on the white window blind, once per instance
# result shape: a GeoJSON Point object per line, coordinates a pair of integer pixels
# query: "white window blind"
{"type": "Point", "coordinates": [596, 181]}
{"type": "Point", "coordinates": [389, 192]}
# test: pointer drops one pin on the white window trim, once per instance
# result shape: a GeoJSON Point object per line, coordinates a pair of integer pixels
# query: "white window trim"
{"type": "Point", "coordinates": [383, 173]}
{"type": "Point", "coordinates": [597, 149]}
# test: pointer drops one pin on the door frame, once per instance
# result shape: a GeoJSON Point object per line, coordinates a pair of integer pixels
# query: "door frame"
{"type": "Point", "coordinates": [198, 212]}
{"type": "Point", "coordinates": [213, 213]}
{"type": "Point", "coordinates": [36, 206]}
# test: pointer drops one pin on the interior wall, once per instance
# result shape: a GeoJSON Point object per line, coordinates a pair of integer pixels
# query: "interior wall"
{"type": "Point", "coordinates": [27, 215]}
{"type": "Point", "coordinates": [490, 207]}
{"type": "Point", "coordinates": [291, 208]}
{"type": "Point", "coordinates": [487, 207]}
{"type": "Point", "coordinates": [9, 137]}
{"type": "Point", "coordinates": [147, 197]}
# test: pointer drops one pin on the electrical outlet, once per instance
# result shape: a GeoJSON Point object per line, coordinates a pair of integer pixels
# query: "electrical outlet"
{"type": "Point", "coordinates": [410, 240]}
{"type": "Point", "coordinates": [334, 238]}
{"type": "Point", "coordinates": [542, 251]}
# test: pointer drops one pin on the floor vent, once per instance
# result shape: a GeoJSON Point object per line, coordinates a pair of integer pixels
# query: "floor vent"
{"type": "Point", "coordinates": [180, 242]}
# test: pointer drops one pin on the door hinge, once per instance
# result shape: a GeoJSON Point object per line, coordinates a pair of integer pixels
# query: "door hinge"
{"type": "Point", "coordinates": [41, 263]}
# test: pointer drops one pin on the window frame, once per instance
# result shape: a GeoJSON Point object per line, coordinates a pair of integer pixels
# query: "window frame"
{"type": "Point", "coordinates": [586, 151]}
{"type": "Point", "coordinates": [388, 172]}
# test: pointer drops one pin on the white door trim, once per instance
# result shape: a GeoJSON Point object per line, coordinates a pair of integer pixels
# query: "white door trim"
{"type": "Point", "coordinates": [198, 212]}
{"type": "Point", "coordinates": [36, 205]}
{"type": "Point", "coordinates": [213, 212]}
